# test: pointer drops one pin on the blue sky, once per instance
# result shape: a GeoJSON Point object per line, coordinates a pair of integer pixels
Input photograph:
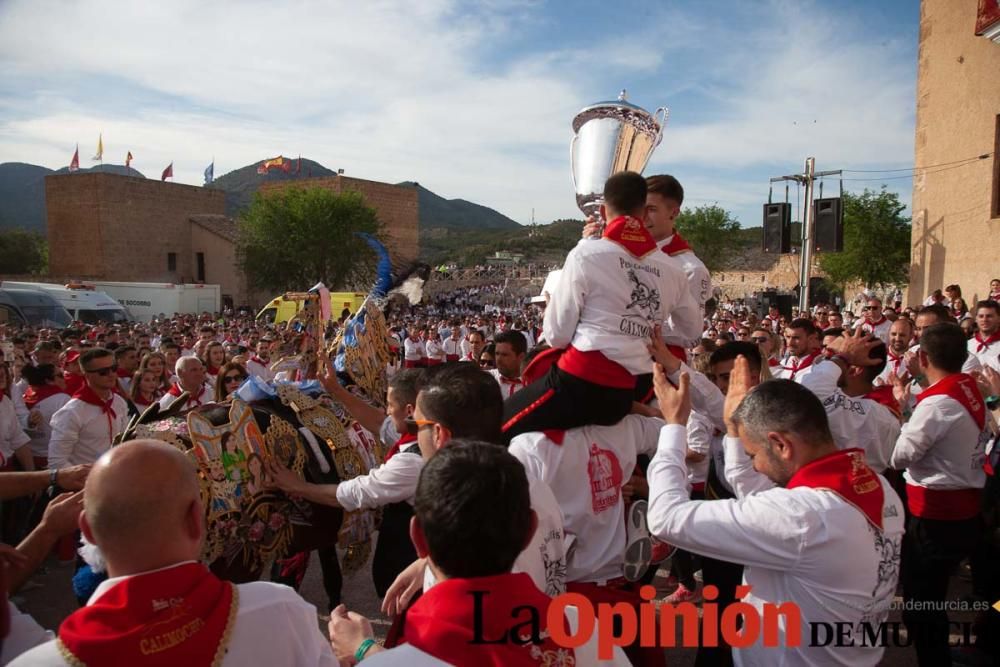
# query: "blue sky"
{"type": "Point", "coordinates": [473, 100]}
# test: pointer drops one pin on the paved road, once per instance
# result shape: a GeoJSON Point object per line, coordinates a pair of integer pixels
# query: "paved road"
{"type": "Point", "coordinates": [49, 599]}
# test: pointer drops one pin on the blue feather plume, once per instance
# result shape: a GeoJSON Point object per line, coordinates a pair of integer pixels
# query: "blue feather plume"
{"type": "Point", "coordinates": [383, 280]}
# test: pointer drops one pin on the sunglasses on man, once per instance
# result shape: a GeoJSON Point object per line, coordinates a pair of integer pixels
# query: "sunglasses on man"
{"type": "Point", "coordinates": [413, 426]}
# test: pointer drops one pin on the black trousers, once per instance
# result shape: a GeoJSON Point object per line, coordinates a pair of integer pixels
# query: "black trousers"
{"type": "Point", "coordinates": [394, 550]}
{"type": "Point", "coordinates": [726, 577]}
{"type": "Point", "coordinates": [932, 550]}
{"type": "Point", "coordinates": [563, 401]}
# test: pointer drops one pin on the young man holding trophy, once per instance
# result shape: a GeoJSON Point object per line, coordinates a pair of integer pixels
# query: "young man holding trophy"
{"type": "Point", "coordinates": [610, 295]}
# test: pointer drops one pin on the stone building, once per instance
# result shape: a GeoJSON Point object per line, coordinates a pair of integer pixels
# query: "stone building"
{"type": "Point", "coordinates": [395, 205]}
{"type": "Point", "coordinates": [956, 207]}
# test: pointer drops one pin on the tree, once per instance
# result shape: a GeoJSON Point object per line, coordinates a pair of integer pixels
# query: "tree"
{"type": "Point", "coordinates": [23, 252]}
{"type": "Point", "coordinates": [876, 241]}
{"type": "Point", "coordinates": [292, 238]}
{"type": "Point", "coordinates": [712, 232]}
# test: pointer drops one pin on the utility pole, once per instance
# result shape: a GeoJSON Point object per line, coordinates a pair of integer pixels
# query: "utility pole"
{"type": "Point", "coordinates": [807, 178]}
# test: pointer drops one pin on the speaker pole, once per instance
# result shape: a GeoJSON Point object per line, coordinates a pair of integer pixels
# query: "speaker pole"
{"type": "Point", "coordinates": [807, 237]}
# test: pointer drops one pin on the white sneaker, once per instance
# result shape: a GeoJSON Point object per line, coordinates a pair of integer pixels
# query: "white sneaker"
{"type": "Point", "coordinates": [638, 546]}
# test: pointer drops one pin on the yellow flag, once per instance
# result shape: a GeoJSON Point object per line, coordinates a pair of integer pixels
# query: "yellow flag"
{"type": "Point", "coordinates": [100, 148]}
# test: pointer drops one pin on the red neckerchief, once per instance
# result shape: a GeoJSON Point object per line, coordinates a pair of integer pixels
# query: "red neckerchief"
{"type": "Point", "coordinates": [142, 402]}
{"type": "Point", "coordinates": [258, 360]}
{"type": "Point", "coordinates": [441, 622]}
{"type": "Point", "coordinates": [74, 382]}
{"type": "Point", "coordinates": [122, 373]}
{"type": "Point", "coordinates": [801, 364]}
{"type": "Point", "coordinates": [88, 395]}
{"type": "Point", "coordinates": [846, 474]}
{"type": "Point", "coordinates": [676, 245]}
{"type": "Point", "coordinates": [881, 320]}
{"type": "Point", "coordinates": [883, 396]}
{"type": "Point", "coordinates": [179, 616]}
{"type": "Point", "coordinates": [985, 344]}
{"type": "Point", "coordinates": [513, 383]}
{"type": "Point", "coordinates": [963, 389]}
{"type": "Point", "coordinates": [405, 439]}
{"type": "Point", "coordinates": [772, 362]}
{"type": "Point", "coordinates": [212, 370]}
{"type": "Point", "coordinates": [35, 395]}
{"type": "Point", "coordinates": [175, 390]}
{"type": "Point", "coordinates": [631, 235]}
{"type": "Point", "coordinates": [894, 360]}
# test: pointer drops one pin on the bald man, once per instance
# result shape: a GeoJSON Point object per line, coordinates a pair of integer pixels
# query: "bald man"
{"type": "Point", "coordinates": [160, 605]}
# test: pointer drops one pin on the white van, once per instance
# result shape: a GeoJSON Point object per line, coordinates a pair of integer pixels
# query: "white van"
{"type": "Point", "coordinates": [147, 301]}
{"type": "Point", "coordinates": [84, 303]}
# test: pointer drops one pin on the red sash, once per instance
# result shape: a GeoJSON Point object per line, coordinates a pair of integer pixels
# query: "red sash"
{"type": "Point", "coordinates": [175, 390]}
{"type": "Point", "coordinates": [593, 366]}
{"type": "Point", "coordinates": [405, 439]}
{"type": "Point", "coordinates": [441, 622]}
{"type": "Point", "coordinates": [846, 474]}
{"type": "Point", "coordinates": [985, 344]}
{"type": "Point", "coordinates": [540, 364]}
{"type": "Point", "coordinates": [179, 616]}
{"type": "Point", "coordinates": [676, 246]}
{"type": "Point", "coordinates": [963, 389]}
{"type": "Point", "coordinates": [883, 396]}
{"type": "Point", "coordinates": [631, 235]}
{"type": "Point", "coordinates": [35, 395]}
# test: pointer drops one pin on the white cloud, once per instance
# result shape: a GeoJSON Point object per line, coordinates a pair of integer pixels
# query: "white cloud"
{"type": "Point", "coordinates": [398, 91]}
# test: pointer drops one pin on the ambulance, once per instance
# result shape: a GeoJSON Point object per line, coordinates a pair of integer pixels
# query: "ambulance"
{"type": "Point", "coordinates": [280, 310]}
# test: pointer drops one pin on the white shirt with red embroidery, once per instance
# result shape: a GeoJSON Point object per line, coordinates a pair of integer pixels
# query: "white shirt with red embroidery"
{"type": "Point", "coordinates": [586, 473]}
{"type": "Point", "coordinates": [793, 544]}
{"type": "Point", "coordinates": [986, 350]}
{"type": "Point", "coordinates": [81, 432]}
{"type": "Point", "coordinates": [607, 300]}
{"type": "Point", "coordinates": [508, 386]}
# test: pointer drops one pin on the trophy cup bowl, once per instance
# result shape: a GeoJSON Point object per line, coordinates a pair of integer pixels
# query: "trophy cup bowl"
{"type": "Point", "coordinates": [610, 137]}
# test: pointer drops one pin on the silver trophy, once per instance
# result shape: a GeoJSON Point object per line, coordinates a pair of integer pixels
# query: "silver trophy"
{"type": "Point", "coordinates": [611, 137]}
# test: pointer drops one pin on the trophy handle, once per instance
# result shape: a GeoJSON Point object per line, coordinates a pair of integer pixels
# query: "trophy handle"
{"type": "Point", "coordinates": [662, 120]}
{"type": "Point", "coordinates": [572, 158]}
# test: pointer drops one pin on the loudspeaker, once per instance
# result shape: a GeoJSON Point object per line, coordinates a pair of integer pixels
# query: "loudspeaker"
{"type": "Point", "coordinates": [777, 228]}
{"type": "Point", "coordinates": [828, 228]}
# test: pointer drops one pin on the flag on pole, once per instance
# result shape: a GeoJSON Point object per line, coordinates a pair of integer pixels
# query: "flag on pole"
{"type": "Point", "coordinates": [128, 160]}
{"type": "Point", "coordinates": [100, 148]}
{"type": "Point", "coordinates": [298, 165]}
{"type": "Point", "coordinates": [168, 172]}
{"type": "Point", "coordinates": [210, 172]}
{"type": "Point", "coordinates": [74, 164]}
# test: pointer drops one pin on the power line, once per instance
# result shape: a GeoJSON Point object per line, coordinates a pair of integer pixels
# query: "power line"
{"type": "Point", "coordinates": [984, 156]}
{"type": "Point", "coordinates": [926, 171]}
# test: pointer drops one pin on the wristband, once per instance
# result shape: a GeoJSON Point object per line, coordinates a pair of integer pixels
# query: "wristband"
{"type": "Point", "coordinates": [53, 474]}
{"type": "Point", "coordinates": [359, 655]}
{"type": "Point", "coordinates": [841, 358]}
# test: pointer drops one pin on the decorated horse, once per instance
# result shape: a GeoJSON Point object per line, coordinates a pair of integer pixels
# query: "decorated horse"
{"type": "Point", "coordinates": [296, 424]}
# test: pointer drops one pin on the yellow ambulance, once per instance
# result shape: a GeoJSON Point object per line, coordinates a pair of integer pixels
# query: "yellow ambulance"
{"type": "Point", "coordinates": [280, 310]}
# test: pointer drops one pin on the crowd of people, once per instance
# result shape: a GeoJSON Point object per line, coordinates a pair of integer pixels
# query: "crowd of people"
{"type": "Point", "coordinates": [617, 437]}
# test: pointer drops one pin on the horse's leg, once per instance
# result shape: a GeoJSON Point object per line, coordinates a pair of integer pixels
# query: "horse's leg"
{"type": "Point", "coordinates": [333, 579]}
